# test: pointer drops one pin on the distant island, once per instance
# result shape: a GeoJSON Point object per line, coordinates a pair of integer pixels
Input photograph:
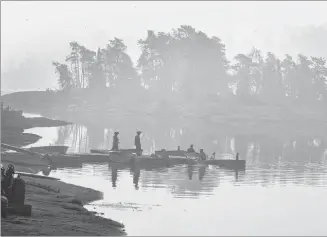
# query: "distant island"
{"type": "Point", "coordinates": [180, 72]}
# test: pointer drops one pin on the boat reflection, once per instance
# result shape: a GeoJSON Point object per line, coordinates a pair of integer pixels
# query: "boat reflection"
{"type": "Point", "coordinates": [114, 176]}
{"type": "Point", "coordinates": [136, 177]}
{"type": "Point", "coordinates": [171, 177]}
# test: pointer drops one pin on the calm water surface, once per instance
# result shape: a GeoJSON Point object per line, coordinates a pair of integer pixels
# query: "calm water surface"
{"type": "Point", "coordinates": [282, 192]}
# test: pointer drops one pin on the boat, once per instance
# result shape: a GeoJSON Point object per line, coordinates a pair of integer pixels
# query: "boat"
{"type": "Point", "coordinates": [120, 151]}
{"type": "Point", "coordinates": [170, 152]}
{"type": "Point", "coordinates": [142, 159]}
{"type": "Point", "coordinates": [49, 149]}
{"type": "Point", "coordinates": [23, 159]}
{"type": "Point", "coordinates": [61, 160]}
{"type": "Point", "coordinates": [124, 157]}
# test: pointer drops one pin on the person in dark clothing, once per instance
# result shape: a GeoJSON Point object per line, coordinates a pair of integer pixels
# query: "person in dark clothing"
{"type": "Point", "coordinates": [18, 191]}
{"type": "Point", "coordinates": [2, 180]}
{"type": "Point", "coordinates": [203, 156]}
{"type": "Point", "coordinates": [137, 141]}
{"type": "Point", "coordinates": [9, 181]}
{"type": "Point", "coordinates": [115, 142]}
{"type": "Point", "coordinates": [191, 149]}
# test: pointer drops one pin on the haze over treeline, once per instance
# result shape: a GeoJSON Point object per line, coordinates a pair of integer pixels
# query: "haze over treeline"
{"type": "Point", "coordinates": [191, 63]}
{"type": "Point", "coordinates": [33, 35]}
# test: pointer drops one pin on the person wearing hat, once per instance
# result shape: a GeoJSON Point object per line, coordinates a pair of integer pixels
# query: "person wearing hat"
{"type": "Point", "coordinates": [115, 142]}
{"type": "Point", "coordinates": [137, 141]}
{"type": "Point", "coordinates": [191, 149]}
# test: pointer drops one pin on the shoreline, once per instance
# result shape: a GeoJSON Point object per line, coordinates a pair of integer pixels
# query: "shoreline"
{"type": "Point", "coordinates": [58, 209]}
{"type": "Point", "coordinates": [12, 132]}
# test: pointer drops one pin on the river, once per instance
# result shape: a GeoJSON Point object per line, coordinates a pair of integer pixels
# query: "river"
{"type": "Point", "coordinates": [282, 191]}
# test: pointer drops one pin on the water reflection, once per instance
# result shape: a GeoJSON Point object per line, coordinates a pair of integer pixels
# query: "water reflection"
{"type": "Point", "coordinates": [272, 160]}
{"type": "Point", "coordinates": [136, 177]}
{"type": "Point", "coordinates": [159, 190]}
{"type": "Point", "coordinates": [253, 148]}
{"type": "Point", "coordinates": [114, 176]}
{"type": "Point", "coordinates": [284, 177]}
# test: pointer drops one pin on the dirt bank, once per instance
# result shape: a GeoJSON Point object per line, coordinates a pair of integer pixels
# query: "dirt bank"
{"type": "Point", "coordinates": [18, 125]}
{"type": "Point", "coordinates": [57, 210]}
{"type": "Point", "coordinates": [12, 130]}
{"type": "Point", "coordinates": [18, 139]}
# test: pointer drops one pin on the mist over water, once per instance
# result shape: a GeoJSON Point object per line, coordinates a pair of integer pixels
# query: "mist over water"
{"type": "Point", "coordinates": [229, 78]}
{"type": "Point", "coordinates": [284, 182]}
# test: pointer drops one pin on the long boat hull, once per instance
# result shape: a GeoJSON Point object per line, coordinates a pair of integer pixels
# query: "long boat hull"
{"type": "Point", "coordinates": [23, 159]}
{"type": "Point", "coordinates": [170, 153]}
{"type": "Point", "coordinates": [50, 149]}
{"type": "Point", "coordinates": [133, 159]}
{"type": "Point", "coordinates": [121, 152]}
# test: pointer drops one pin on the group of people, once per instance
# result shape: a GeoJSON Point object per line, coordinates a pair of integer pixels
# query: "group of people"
{"type": "Point", "coordinates": [203, 156]}
{"type": "Point", "coordinates": [12, 189]}
{"type": "Point", "coordinates": [137, 141]}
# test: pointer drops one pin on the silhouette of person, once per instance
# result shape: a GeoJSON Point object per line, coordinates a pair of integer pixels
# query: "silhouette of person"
{"type": "Point", "coordinates": [115, 142]}
{"type": "Point", "coordinates": [190, 171]}
{"type": "Point", "coordinates": [202, 172]}
{"type": "Point", "coordinates": [203, 156]}
{"type": "Point", "coordinates": [136, 177]}
{"type": "Point", "coordinates": [236, 175]}
{"type": "Point", "coordinates": [137, 142]}
{"type": "Point", "coordinates": [114, 176]}
{"type": "Point", "coordinates": [191, 149]}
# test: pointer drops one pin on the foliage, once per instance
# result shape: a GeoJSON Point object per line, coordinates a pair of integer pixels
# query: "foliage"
{"type": "Point", "coordinates": [192, 65]}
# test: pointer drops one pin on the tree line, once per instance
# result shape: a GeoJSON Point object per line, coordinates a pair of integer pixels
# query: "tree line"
{"type": "Point", "coordinates": [194, 65]}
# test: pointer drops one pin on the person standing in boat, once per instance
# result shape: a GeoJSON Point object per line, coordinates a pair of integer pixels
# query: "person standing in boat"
{"type": "Point", "coordinates": [190, 149]}
{"type": "Point", "coordinates": [115, 142]}
{"type": "Point", "coordinates": [137, 141]}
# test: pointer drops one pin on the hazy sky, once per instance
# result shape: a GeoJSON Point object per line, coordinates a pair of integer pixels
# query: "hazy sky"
{"type": "Point", "coordinates": [46, 28]}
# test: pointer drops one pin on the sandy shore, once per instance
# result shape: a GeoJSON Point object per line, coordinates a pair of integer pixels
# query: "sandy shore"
{"type": "Point", "coordinates": [57, 209]}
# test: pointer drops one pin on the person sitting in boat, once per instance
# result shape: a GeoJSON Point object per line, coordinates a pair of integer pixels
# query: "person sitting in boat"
{"type": "Point", "coordinates": [190, 149]}
{"type": "Point", "coordinates": [203, 156]}
{"type": "Point", "coordinates": [213, 156]}
{"type": "Point", "coordinates": [137, 141]}
{"type": "Point", "coordinates": [115, 142]}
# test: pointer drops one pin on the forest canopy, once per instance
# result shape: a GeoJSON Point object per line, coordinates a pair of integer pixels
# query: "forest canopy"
{"type": "Point", "coordinates": [194, 65]}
